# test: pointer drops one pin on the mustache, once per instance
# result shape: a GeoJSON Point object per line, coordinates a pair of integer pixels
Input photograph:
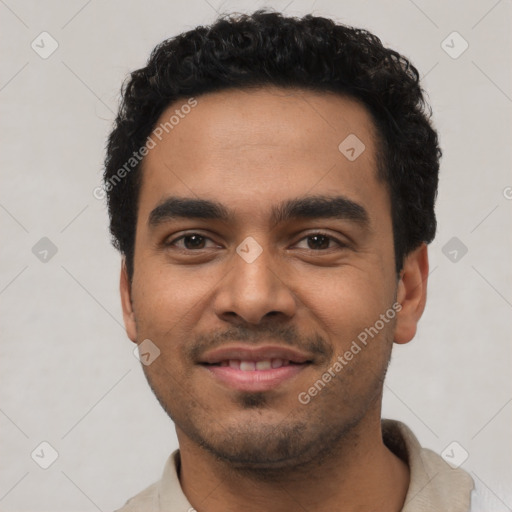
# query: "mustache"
{"type": "Point", "coordinates": [283, 335]}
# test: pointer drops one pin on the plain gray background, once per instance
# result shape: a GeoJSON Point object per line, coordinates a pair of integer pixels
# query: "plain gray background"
{"type": "Point", "coordinates": [68, 373]}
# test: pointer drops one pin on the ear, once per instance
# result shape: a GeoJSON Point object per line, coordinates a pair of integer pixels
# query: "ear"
{"type": "Point", "coordinates": [126, 302]}
{"type": "Point", "coordinates": [412, 293]}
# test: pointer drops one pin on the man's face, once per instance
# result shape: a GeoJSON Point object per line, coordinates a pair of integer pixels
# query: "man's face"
{"type": "Point", "coordinates": [205, 296]}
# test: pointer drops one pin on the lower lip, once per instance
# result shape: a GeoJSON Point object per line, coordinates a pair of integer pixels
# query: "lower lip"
{"type": "Point", "coordinates": [255, 380]}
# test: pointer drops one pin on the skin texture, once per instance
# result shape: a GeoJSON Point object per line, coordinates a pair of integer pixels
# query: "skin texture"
{"type": "Point", "coordinates": [251, 150]}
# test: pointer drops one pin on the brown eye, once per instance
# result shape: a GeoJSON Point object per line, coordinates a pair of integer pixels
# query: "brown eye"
{"type": "Point", "coordinates": [193, 242]}
{"type": "Point", "coordinates": [318, 242]}
{"type": "Point", "coordinates": [190, 242]}
{"type": "Point", "coordinates": [321, 241]}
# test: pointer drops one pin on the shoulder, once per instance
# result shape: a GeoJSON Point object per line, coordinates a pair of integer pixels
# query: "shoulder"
{"type": "Point", "coordinates": [145, 501]}
{"type": "Point", "coordinates": [164, 495]}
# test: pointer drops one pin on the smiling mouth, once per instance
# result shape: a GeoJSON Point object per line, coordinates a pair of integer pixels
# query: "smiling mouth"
{"type": "Point", "coordinates": [253, 365]}
{"type": "Point", "coordinates": [254, 375]}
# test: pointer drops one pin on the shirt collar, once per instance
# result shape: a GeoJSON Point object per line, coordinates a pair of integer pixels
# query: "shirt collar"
{"type": "Point", "coordinates": [434, 484]}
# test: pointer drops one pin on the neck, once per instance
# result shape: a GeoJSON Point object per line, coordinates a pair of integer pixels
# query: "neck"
{"type": "Point", "coordinates": [360, 473]}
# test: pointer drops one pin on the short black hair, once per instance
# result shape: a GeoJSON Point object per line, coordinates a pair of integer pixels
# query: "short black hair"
{"type": "Point", "coordinates": [267, 48]}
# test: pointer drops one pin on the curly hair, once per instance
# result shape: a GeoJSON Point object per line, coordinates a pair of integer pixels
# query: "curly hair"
{"type": "Point", "coordinates": [268, 49]}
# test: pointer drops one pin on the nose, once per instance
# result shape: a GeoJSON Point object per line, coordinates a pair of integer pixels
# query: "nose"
{"type": "Point", "coordinates": [254, 290]}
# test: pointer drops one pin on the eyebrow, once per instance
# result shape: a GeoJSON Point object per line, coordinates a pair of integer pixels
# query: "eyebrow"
{"type": "Point", "coordinates": [307, 207]}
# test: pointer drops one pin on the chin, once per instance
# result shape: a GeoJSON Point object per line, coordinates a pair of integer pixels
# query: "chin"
{"type": "Point", "coordinates": [263, 448]}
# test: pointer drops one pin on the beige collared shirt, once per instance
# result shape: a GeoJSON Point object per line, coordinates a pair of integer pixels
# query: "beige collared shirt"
{"type": "Point", "coordinates": [435, 486]}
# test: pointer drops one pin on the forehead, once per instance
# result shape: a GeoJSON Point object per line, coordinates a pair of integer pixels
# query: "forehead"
{"type": "Point", "coordinates": [252, 148]}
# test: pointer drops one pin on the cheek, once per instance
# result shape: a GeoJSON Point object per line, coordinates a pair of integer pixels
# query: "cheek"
{"type": "Point", "coordinates": [165, 298]}
{"type": "Point", "coordinates": [346, 300]}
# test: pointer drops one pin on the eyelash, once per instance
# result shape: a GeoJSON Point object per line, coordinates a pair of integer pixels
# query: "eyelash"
{"type": "Point", "coordinates": [309, 235]}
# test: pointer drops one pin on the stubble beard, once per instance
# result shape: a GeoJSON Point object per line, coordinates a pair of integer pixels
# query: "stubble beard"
{"type": "Point", "coordinates": [308, 437]}
{"type": "Point", "coordinates": [303, 441]}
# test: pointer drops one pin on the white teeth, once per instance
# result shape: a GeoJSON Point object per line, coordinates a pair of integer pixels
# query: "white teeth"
{"type": "Point", "coordinates": [265, 364]}
{"type": "Point", "coordinates": [247, 365]}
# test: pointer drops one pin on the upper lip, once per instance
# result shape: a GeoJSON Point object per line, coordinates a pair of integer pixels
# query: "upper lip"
{"type": "Point", "coordinates": [261, 353]}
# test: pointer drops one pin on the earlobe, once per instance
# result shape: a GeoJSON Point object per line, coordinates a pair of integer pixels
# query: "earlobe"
{"type": "Point", "coordinates": [412, 293]}
{"type": "Point", "coordinates": [126, 303]}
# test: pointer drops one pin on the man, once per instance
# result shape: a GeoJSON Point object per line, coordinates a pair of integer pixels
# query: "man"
{"type": "Point", "coordinates": [271, 185]}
